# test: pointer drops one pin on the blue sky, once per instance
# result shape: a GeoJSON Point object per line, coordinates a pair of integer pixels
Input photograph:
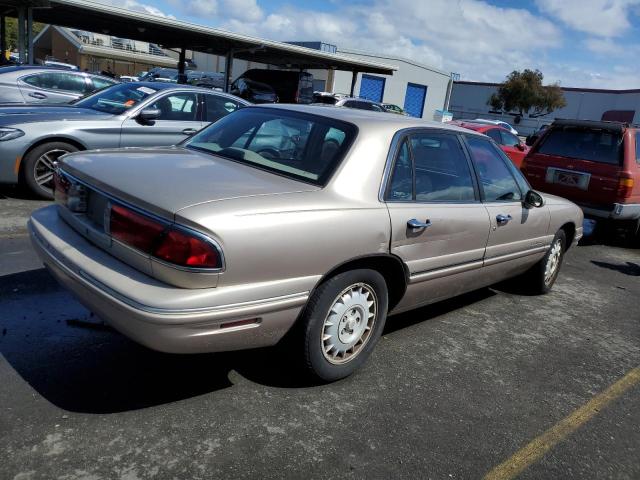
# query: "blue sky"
{"type": "Point", "coordinates": [579, 43]}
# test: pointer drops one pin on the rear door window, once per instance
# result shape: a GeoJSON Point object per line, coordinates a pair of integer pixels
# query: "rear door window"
{"type": "Point", "coordinates": [494, 134]}
{"type": "Point", "coordinates": [595, 145]}
{"type": "Point", "coordinates": [217, 106]}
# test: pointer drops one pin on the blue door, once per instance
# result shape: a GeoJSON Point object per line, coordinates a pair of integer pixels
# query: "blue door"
{"type": "Point", "coordinates": [372, 88]}
{"type": "Point", "coordinates": [414, 99]}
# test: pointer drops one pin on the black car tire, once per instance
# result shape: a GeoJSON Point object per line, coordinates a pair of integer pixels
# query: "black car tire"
{"type": "Point", "coordinates": [30, 162]}
{"type": "Point", "coordinates": [313, 325]}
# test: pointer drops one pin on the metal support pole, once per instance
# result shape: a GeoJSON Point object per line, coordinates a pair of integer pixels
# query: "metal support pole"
{"type": "Point", "coordinates": [21, 47]}
{"type": "Point", "coordinates": [228, 68]}
{"type": "Point", "coordinates": [354, 77]}
{"type": "Point", "coordinates": [3, 40]}
{"type": "Point", "coordinates": [29, 36]}
{"type": "Point", "coordinates": [182, 78]}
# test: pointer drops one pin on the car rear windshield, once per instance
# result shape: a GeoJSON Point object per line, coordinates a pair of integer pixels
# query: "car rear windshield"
{"type": "Point", "coordinates": [116, 99]}
{"type": "Point", "coordinates": [583, 143]}
{"type": "Point", "coordinates": [296, 145]}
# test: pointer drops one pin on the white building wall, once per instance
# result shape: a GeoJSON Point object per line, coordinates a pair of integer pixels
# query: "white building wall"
{"type": "Point", "coordinates": [469, 100]}
{"type": "Point", "coordinates": [395, 86]}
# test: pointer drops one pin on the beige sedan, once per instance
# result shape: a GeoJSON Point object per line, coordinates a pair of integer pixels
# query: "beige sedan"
{"type": "Point", "coordinates": [306, 221]}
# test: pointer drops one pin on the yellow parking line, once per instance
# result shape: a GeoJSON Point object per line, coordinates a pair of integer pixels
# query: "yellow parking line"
{"type": "Point", "coordinates": [539, 446]}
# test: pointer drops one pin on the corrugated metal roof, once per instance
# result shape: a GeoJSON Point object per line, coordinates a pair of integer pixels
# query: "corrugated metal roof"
{"type": "Point", "coordinates": [172, 33]}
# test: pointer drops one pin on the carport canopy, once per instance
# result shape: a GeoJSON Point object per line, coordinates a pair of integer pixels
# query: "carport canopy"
{"type": "Point", "coordinates": [176, 34]}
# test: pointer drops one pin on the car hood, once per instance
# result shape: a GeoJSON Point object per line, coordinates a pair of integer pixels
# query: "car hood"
{"type": "Point", "coordinates": [166, 180]}
{"type": "Point", "coordinates": [47, 113]}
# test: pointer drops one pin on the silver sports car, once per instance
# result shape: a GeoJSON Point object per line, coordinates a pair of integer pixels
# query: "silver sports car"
{"type": "Point", "coordinates": [125, 115]}
{"type": "Point", "coordinates": [301, 220]}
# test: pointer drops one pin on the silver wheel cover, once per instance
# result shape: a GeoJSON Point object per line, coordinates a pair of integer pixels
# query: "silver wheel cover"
{"type": "Point", "coordinates": [349, 323]}
{"type": "Point", "coordinates": [553, 262]}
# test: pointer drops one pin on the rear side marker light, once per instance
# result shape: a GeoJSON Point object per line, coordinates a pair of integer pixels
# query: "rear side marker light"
{"type": "Point", "coordinates": [160, 240]}
{"type": "Point", "coordinates": [241, 323]}
{"type": "Point", "coordinates": [625, 187]}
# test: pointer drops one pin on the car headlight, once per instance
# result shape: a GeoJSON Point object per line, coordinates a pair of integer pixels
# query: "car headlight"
{"type": "Point", "coordinates": [9, 133]}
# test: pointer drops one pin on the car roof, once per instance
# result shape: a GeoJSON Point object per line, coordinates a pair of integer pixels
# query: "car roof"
{"type": "Point", "coordinates": [182, 86]}
{"type": "Point", "coordinates": [476, 126]}
{"type": "Point", "coordinates": [363, 118]}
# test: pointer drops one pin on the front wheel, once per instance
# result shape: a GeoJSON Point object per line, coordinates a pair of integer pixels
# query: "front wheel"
{"type": "Point", "coordinates": [342, 323]}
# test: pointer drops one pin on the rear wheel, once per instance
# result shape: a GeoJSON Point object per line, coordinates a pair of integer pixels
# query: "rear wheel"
{"type": "Point", "coordinates": [543, 275]}
{"type": "Point", "coordinates": [37, 169]}
{"type": "Point", "coordinates": [342, 323]}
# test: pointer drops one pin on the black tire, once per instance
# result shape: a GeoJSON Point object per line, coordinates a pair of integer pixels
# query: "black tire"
{"type": "Point", "coordinates": [536, 279]}
{"type": "Point", "coordinates": [31, 163]}
{"type": "Point", "coordinates": [312, 326]}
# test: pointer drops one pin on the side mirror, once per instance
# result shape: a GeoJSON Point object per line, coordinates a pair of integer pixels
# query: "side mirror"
{"type": "Point", "coordinates": [149, 114]}
{"type": "Point", "coordinates": [520, 147]}
{"type": "Point", "coordinates": [533, 199]}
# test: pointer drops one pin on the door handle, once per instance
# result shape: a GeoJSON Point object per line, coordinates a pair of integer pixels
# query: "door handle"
{"type": "Point", "coordinates": [38, 95]}
{"type": "Point", "coordinates": [189, 131]}
{"type": "Point", "coordinates": [417, 224]}
{"type": "Point", "coordinates": [503, 219]}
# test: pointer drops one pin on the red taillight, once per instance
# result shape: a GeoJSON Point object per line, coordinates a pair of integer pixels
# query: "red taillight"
{"type": "Point", "coordinates": [625, 187]}
{"type": "Point", "coordinates": [134, 229]}
{"type": "Point", "coordinates": [187, 250]}
{"type": "Point", "coordinates": [161, 240]}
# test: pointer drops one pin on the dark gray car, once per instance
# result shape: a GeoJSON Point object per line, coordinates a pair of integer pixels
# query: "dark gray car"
{"type": "Point", "coordinates": [138, 114]}
{"type": "Point", "coordinates": [47, 85]}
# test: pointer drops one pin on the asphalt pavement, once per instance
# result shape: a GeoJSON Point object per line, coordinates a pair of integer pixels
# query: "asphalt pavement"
{"type": "Point", "coordinates": [451, 391]}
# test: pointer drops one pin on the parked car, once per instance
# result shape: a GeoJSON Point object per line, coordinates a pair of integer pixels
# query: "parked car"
{"type": "Point", "coordinates": [26, 84]}
{"type": "Point", "coordinates": [392, 108]}
{"type": "Point", "coordinates": [508, 142]}
{"type": "Point", "coordinates": [32, 138]}
{"type": "Point", "coordinates": [339, 100]}
{"type": "Point", "coordinates": [594, 164]}
{"type": "Point", "coordinates": [499, 123]}
{"type": "Point", "coordinates": [254, 92]}
{"type": "Point", "coordinates": [289, 86]}
{"type": "Point", "coordinates": [211, 246]}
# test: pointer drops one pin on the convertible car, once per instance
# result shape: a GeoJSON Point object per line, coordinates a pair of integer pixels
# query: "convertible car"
{"type": "Point", "coordinates": [300, 221]}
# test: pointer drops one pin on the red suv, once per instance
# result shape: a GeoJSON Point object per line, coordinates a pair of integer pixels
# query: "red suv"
{"type": "Point", "coordinates": [507, 141]}
{"type": "Point", "coordinates": [594, 164]}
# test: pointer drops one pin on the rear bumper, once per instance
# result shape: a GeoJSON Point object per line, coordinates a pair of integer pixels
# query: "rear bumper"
{"type": "Point", "coordinates": [619, 211]}
{"type": "Point", "coordinates": [85, 270]}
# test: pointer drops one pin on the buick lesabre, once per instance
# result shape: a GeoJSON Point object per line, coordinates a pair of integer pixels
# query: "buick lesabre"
{"type": "Point", "coordinates": [309, 221]}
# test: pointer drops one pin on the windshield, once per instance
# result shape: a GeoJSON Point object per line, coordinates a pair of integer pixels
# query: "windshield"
{"type": "Point", "coordinates": [600, 146]}
{"type": "Point", "coordinates": [301, 146]}
{"type": "Point", "coordinates": [117, 99]}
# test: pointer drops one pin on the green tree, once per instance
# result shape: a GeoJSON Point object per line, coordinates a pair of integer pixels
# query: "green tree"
{"type": "Point", "coordinates": [524, 92]}
{"type": "Point", "coordinates": [11, 26]}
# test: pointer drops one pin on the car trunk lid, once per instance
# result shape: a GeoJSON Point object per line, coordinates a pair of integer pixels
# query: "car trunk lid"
{"type": "Point", "coordinates": [165, 180]}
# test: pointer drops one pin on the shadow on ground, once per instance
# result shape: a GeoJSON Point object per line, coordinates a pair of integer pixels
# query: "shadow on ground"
{"type": "Point", "coordinates": [81, 365]}
{"type": "Point", "coordinates": [627, 268]}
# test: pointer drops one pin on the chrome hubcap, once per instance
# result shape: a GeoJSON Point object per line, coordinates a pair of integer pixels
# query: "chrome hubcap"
{"type": "Point", "coordinates": [44, 166]}
{"type": "Point", "coordinates": [553, 262]}
{"type": "Point", "coordinates": [349, 323]}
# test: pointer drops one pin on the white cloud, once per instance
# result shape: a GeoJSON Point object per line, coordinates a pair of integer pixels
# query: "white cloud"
{"type": "Point", "coordinates": [246, 10]}
{"type": "Point", "coordinates": [605, 18]}
{"type": "Point", "coordinates": [137, 7]}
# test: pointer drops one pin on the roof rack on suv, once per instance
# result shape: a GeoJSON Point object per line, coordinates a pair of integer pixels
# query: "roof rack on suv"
{"type": "Point", "coordinates": [603, 125]}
